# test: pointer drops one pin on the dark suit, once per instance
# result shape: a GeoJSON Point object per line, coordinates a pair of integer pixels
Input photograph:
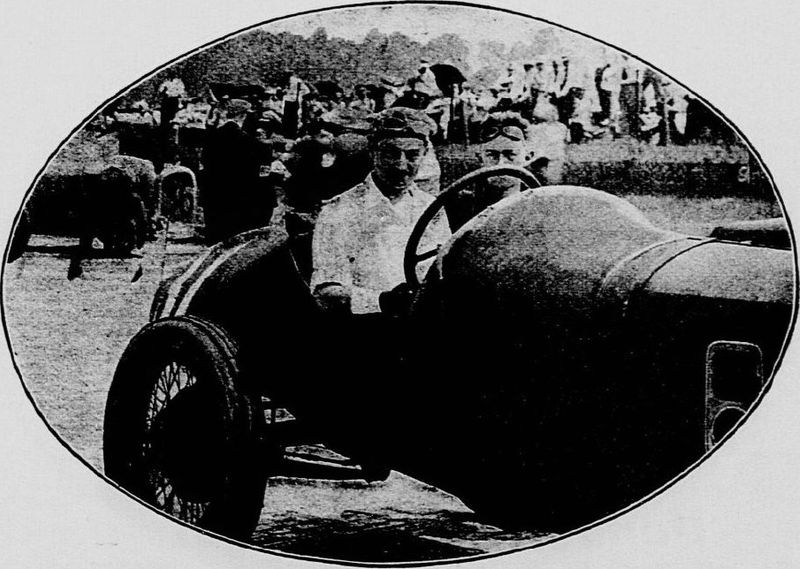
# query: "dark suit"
{"type": "Point", "coordinates": [234, 196]}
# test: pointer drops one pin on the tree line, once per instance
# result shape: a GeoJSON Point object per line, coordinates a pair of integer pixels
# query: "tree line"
{"type": "Point", "coordinates": [262, 57]}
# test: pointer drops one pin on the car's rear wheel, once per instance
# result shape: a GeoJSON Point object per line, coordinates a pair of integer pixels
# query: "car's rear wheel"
{"type": "Point", "coordinates": [179, 432]}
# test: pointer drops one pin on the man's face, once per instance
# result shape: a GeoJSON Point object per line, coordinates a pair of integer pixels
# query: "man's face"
{"type": "Point", "coordinates": [503, 151]}
{"type": "Point", "coordinates": [397, 161]}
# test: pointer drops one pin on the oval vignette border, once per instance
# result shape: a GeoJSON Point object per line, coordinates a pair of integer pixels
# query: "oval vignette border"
{"type": "Point", "coordinates": [509, 12]}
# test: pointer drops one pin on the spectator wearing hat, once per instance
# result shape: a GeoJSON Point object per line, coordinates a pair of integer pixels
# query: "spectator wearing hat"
{"type": "Point", "coordinates": [360, 236]}
{"type": "Point", "coordinates": [234, 194]}
{"type": "Point", "coordinates": [273, 102]}
{"type": "Point", "coordinates": [531, 89]}
{"type": "Point", "coordinates": [391, 89]}
{"type": "Point", "coordinates": [628, 97]}
{"type": "Point", "coordinates": [362, 101]}
{"type": "Point", "coordinates": [425, 80]}
{"type": "Point", "coordinates": [313, 167]}
{"type": "Point", "coordinates": [609, 85]}
{"type": "Point", "coordinates": [170, 93]}
{"type": "Point", "coordinates": [543, 84]}
{"type": "Point", "coordinates": [296, 90]}
{"type": "Point", "coordinates": [510, 87]}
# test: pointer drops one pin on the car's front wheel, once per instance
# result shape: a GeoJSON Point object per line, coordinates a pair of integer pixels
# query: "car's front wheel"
{"type": "Point", "coordinates": [180, 434]}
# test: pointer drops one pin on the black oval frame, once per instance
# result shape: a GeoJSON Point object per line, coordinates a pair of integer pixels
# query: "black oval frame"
{"type": "Point", "coordinates": [479, 557]}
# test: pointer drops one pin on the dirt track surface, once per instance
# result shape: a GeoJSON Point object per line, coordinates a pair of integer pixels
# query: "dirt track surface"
{"type": "Point", "coordinates": [67, 337]}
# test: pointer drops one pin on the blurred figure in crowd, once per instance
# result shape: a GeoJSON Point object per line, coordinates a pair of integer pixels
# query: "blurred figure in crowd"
{"type": "Point", "coordinates": [608, 88]}
{"type": "Point", "coordinates": [322, 166]}
{"type": "Point", "coordinates": [628, 98]}
{"type": "Point", "coordinates": [235, 191]}
{"type": "Point", "coordinates": [193, 114]}
{"type": "Point", "coordinates": [273, 102]}
{"type": "Point", "coordinates": [362, 101]}
{"type": "Point", "coordinates": [311, 182]}
{"type": "Point", "coordinates": [170, 93]}
{"type": "Point", "coordinates": [296, 89]}
{"type": "Point", "coordinates": [425, 81]}
{"type": "Point", "coordinates": [510, 88]}
{"type": "Point", "coordinates": [547, 144]}
{"type": "Point", "coordinates": [391, 89]}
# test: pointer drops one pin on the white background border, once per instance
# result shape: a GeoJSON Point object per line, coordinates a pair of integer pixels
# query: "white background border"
{"type": "Point", "coordinates": [60, 60]}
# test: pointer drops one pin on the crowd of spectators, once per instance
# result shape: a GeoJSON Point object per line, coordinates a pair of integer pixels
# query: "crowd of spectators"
{"type": "Point", "coordinates": [304, 132]}
{"type": "Point", "coordinates": [620, 98]}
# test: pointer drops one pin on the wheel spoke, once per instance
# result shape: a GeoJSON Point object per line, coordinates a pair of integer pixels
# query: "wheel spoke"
{"type": "Point", "coordinates": [171, 381]}
{"type": "Point", "coordinates": [168, 499]}
{"type": "Point", "coordinates": [173, 378]}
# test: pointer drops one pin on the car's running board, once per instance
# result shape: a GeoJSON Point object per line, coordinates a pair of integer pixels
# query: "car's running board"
{"type": "Point", "coordinates": [305, 465]}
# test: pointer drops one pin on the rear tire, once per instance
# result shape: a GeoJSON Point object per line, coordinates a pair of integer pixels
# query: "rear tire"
{"type": "Point", "coordinates": [179, 433]}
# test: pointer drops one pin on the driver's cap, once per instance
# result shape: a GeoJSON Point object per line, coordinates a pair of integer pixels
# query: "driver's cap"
{"type": "Point", "coordinates": [402, 122]}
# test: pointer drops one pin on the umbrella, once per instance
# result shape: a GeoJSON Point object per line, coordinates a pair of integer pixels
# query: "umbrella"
{"type": "Point", "coordinates": [447, 75]}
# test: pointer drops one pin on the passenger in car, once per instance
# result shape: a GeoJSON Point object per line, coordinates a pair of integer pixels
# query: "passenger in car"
{"type": "Point", "coordinates": [504, 141]}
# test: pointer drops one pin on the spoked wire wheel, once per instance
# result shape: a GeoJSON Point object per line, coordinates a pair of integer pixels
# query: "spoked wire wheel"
{"type": "Point", "coordinates": [181, 452]}
{"type": "Point", "coordinates": [178, 432]}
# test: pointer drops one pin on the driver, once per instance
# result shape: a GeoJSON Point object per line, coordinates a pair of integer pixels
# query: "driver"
{"type": "Point", "coordinates": [360, 235]}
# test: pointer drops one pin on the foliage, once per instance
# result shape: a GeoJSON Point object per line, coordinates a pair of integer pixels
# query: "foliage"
{"type": "Point", "coordinates": [261, 57]}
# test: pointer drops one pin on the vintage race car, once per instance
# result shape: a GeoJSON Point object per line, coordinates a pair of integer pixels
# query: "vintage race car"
{"type": "Point", "coordinates": [561, 360]}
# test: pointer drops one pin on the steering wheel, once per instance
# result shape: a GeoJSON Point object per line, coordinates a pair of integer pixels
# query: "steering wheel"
{"type": "Point", "coordinates": [412, 257]}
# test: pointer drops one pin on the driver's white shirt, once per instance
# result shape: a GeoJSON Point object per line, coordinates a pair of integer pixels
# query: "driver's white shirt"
{"type": "Point", "coordinates": [360, 238]}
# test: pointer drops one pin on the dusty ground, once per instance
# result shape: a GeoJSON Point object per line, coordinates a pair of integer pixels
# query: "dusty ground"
{"type": "Point", "coordinates": [68, 335]}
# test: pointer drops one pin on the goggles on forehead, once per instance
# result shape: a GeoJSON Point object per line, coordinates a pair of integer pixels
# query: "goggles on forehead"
{"type": "Point", "coordinates": [511, 132]}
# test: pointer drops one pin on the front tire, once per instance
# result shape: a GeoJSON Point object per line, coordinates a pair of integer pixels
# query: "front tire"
{"type": "Point", "coordinates": [179, 433]}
